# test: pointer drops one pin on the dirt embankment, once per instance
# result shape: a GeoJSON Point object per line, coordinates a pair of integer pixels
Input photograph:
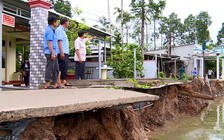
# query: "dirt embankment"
{"type": "Point", "coordinates": [124, 123]}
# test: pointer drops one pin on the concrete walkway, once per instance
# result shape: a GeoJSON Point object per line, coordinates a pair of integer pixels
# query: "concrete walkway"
{"type": "Point", "coordinates": [17, 105]}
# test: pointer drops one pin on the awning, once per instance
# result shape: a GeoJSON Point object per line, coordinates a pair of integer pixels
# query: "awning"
{"type": "Point", "coordinates": [91, 30]}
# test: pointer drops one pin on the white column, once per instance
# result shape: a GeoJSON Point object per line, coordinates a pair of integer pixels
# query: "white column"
{"type": "Point", "coordinates": [195, 62]}
{"type": "Point", "coordinates": [222, 68]}
{"type": "Point", "coordinates": [217, 66]}
{"type": "Point", "coordinates": [202, 68]}
{"type": "Point", "coordinates": [99, 59]}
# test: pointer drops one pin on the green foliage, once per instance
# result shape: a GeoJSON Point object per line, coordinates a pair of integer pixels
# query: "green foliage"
{"type": "Point", "coordinates": [220, 35]}
{"type": "Point", "coordinates": [187, 32]}
{"type": "Point", "coordinates": [63, 7]}
{"type": "Point", "coordinates": [190, 30]}
{"type": "Point", "coordinates": [155, 8]}
{"type": "Point", "coordinates": [191, 77]}
{"type": "Point", "coordinates": [203, 21]}
{"type": "Point", "coordinates": [173, 27]}
{"type": "Point", "coordinates": [161, 75]}
{"type": "Point", "coordinates": [71, 71]}
{"type": "Point", "coordinates": [127, 17]}
{"type": "Point", "coordinates": [184, 78]}
{"type": "Point", "coordinates": [137, 85]}
{"type": "Point", "coordinates": [21, 52]}
{"type": "Point", "coordinates": [122, 61]}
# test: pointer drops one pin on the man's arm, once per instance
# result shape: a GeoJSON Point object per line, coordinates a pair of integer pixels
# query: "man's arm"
{"type": "Point", "coordinates": [62, 56]}
{"type": "Point", "coordinates": [91, 38]}
{"type": "Point", "coordinates": [79, 56]}
{"type": "Point", "coordinates": [77, 51]}
{"type": "Point", "coordinates": [50, 46]}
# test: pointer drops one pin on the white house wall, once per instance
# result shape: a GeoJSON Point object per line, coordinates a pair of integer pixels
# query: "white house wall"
{"type": "Point", "coordinates": [185, 53]}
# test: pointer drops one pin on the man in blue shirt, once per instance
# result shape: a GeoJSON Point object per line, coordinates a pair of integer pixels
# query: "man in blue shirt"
{"type": "Point", "coordinates": [51, 52]}
{"type": "Point", "coordinates": [63, 56]}
{"type": "Point", "coordinates": [195, 73]}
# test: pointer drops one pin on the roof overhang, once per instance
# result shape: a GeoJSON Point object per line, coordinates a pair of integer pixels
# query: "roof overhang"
{"type": "Point", "coordinates": [91, 30]}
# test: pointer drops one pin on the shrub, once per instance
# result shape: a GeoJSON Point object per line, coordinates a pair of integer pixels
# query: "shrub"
{"type": "Point", "coordinates": [161, 75]}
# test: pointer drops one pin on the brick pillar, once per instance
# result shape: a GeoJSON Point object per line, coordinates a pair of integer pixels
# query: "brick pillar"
{"type": "Point", "coordinates": [38, 23]}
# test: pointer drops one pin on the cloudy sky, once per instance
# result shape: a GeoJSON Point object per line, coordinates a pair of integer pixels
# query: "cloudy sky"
{"type": "Point", "coordinates": [93, 9]}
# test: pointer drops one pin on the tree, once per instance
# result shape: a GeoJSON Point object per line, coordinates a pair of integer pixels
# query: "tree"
{"type": "Point", "coordinates": [63, 7]}
{"type": "Point", "coordinates": [127, 18]}
{"type": "Point", "coordinates": [155, 11]}
{"type": "Point", "coordinates": [190, 30]}
{"type": "Point", "coordinates": [138, 9]}
{"type": "Point", "coordinates": [172, 28]}
{"type": "Point", "coordinates": [220, 35]}
{"type": "Point", "coordinates": [203, 21]}
{"type": "Point", "coordinates": [123, 63]}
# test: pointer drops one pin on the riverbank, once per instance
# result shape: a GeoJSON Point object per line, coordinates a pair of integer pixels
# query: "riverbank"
{"type": "Point", "coordinates": [134, 121]}
{"type": "Point", "coordinates": [127, 122]}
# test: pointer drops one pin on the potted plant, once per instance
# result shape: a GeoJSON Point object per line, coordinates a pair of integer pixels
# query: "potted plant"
{"type": "Point", "coordinates": [71, 74]}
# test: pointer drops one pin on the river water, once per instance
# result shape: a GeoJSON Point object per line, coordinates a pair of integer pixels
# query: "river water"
{"type": "Point", "coordinates": [209, 125]}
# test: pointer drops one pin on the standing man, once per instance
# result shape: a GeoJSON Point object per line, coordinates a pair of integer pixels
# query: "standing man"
{"type": "Point", "coordinates": [25, 67]}
{"type": "Point", "coordinates": [63, 56]}
{"type": "Point", "coordinates": [51, 52]}
{"type": "Point", "coordinates": [182, 72]}
{"type": "Point", "coordinates": [80, 54]}
{"type": "Point", "coordinates": [210, 72]}
{"type": "Point", "coordinates": [195, 73]}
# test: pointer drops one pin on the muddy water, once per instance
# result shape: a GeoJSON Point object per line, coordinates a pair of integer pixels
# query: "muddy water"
{"type": "Point", "coordinates": [209, 125]}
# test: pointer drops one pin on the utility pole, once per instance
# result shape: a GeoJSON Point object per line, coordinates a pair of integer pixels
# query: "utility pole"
{"type": "Point", "coordinates": [122, 18]}
{"type": "Point", "coordinates": [154, 33]}
{"type": "Point", "coordinates": [143, 28]}
{"type": "Point", "coordinates": [169, 45]}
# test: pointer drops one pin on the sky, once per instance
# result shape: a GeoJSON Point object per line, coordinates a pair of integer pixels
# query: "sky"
{"type": "Point", "coordinates": [93, 9]}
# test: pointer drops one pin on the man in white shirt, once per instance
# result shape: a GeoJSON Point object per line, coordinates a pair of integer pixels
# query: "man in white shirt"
{"type": "Point", "coordinates": [80, 54]}
{"type": "Point", "coordinates": [210, 72]}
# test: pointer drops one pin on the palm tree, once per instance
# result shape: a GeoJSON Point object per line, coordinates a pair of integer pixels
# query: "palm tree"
{"type": "Point", "coordinates": [125, 20]}
{"type": "Point", "coordinates": [138, 9]}
{"type": "Point", "coordinates": [155, 11]}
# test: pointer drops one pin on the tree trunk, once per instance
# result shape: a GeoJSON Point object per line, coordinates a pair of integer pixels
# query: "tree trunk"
{"type": "Point", "coordinates": [127, 34]}
{"type": "Point", "coordinates": [143, 28]}
{"type": "Point", "coordinates": [122, 32]}
{"type": "Point", "coordinates": [169, 45]}
{"type": "Point", "coordinates": [146, 36]}
{"type": "Point", "coordinates": [108, 8]}
{"type": "Point", "coordinates": [154, 33]}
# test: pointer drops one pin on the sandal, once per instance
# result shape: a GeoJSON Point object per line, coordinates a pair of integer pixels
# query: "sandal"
{"type": "Point", "coordinates": [67, 84]}
{"type": "Point", "coordinates": [52, 87]}
{"type": "Point", "coordinates": [49, 87]}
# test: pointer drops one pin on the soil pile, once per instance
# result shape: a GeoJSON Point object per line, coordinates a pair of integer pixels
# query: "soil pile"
{"type": "Point", "coordinates": [188, 99]}
{"type": "Point", "coordinates": [105, 124]}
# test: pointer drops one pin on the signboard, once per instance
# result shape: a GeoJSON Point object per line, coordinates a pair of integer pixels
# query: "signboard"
{"type": "Point", "coordinates": [8, 20]}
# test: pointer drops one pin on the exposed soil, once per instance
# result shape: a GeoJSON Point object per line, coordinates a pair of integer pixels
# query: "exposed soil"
{"type": "Point", "coordinates": [125, 123]}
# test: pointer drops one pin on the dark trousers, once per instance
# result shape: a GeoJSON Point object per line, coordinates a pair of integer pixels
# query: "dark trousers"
{"type": "Point", "coordinates": [79, 70]}
{"type": "Point", "coordinates": [52, 69]}
{"type": "Point", "coordinates": [27, 78]}
{"type": "Point", "coordinates": [63, 66]}
{"type": "Point", "coordinates": [209, 76]}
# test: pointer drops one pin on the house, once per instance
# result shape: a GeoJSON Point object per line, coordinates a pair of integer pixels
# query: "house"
{"type": "Point", "coordinates": [24, 23]}
{"type": "Point", "coordinates": [180, 56]}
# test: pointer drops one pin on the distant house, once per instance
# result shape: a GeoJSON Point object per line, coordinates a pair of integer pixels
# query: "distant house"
{"type": "Point", "coordinates": [180, 56]}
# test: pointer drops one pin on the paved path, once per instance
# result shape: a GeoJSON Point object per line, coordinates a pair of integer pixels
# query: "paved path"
{"type": "Point", "coordinates": [17, 105]}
